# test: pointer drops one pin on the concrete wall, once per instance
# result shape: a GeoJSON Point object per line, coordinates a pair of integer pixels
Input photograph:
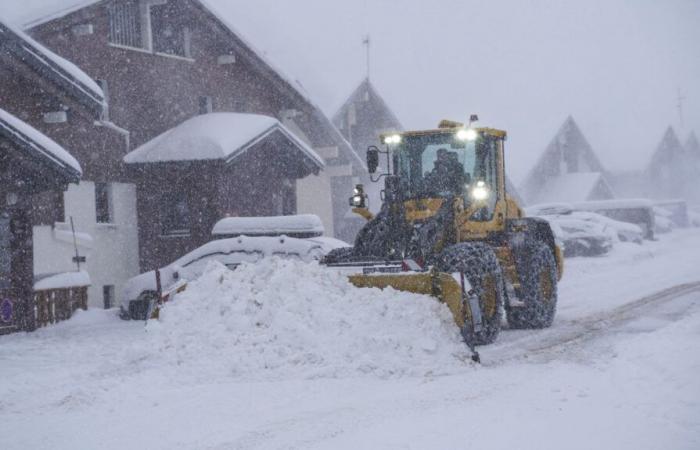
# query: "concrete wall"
{"type": "Point", "coordinates": [111, 249]}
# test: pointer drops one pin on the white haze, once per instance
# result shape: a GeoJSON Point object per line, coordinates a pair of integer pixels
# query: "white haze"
{"type": "Point", "coordinates": [521, 65]}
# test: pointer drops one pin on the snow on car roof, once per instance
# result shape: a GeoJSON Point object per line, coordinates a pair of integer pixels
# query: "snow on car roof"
{"type": "Point", "coordinates": [221, 135]}
{"type": "Point", "coordinates": [269, 226]}
{"type": "Point", "coordinates": [29, 136]}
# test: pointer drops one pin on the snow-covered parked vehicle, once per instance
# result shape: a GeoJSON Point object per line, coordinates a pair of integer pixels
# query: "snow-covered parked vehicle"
{"type": "Point", "coordinates": [240, 240]}
{"type": "Point", "coordinates": [580, 237]}
{"type": "Point", "coordinates": [585, 233]}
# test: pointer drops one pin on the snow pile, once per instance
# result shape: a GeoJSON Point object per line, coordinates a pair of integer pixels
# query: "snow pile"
{"type": "Point", "coordinates": [288, 319]}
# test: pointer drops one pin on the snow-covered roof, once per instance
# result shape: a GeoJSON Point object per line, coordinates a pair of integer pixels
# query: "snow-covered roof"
{"type": "Point", "coordinates": [213, 136]}
{"type": "Point", "coordinates": [63, 281]}
{"type": "Point", "coordinates": [36, 54]}
{"type": "Point", "coordinates": [31, 139]}
{"type": "Point", "coordinates": [570, 187]}
{"type": "Point", "coordinates": [308, 224]}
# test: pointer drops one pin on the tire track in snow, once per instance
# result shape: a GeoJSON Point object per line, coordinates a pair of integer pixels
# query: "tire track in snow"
{"type": "Point", "coordinates": [545, 345]}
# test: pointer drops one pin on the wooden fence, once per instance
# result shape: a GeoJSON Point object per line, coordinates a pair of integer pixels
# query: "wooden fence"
{"type": "Point", "coordinates": [56, 305]}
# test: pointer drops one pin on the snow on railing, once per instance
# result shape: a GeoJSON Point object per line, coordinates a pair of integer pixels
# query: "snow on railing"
{"type": "Point", "coordinates": [56, 298]}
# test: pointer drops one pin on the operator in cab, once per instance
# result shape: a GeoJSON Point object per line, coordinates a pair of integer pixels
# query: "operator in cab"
{"type": "Point", "coordinates": [448, 173]}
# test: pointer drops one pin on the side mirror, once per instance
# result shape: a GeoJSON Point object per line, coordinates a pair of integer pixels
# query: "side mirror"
{"type": "Point", "coordinates": [372, 159]}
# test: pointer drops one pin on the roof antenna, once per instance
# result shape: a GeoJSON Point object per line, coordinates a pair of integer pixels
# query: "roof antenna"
{"type": "Point", "coordinates": [367, 42]}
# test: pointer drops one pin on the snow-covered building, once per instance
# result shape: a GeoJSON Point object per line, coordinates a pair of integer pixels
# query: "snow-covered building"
{"type": "Point", "coordinates": [30, 164]}
{"type": "Point", "coordinates": [361, 119]}
{"type": "Point", "coordinates": [364, 116]}
{"type": "Point", "coordinates": [567, 171]}
{"type": "Point", "coordinates": [213, 166]}
{"type": "Point", "coordinates": [674, 168]}
{"type": "Point", "coordinates": [61, 101]}
{"type": "Point", "coordinates": [160, 63]}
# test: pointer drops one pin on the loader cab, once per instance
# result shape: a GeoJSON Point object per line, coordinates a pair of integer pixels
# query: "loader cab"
{"type": "Point", "coordinates": [464, 164]}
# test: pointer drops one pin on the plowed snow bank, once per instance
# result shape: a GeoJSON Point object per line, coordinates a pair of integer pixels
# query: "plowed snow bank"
{"type": "Point", "coordinates": [282, 318]}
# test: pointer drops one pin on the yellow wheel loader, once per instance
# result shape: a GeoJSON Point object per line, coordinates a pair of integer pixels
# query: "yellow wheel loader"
{"type": "Point", "coordinates": [448, 228]}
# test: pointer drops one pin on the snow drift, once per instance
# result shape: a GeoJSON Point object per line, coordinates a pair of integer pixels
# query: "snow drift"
{"type": "Point", "coordinates": [288, 319]}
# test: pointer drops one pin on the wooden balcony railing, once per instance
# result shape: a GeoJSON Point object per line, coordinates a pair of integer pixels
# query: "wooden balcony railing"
{"type": "Point", "coordinates": [56, 305]}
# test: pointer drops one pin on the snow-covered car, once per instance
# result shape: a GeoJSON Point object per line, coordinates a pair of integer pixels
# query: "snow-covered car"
{"type": "Point", "coordinates": [639, 212]}
{"type": "Point", "coordinates": [580, 237]}
{"type": "Point", "coordinates": [230, 252]}
{"type": "Point", "coordinates": [615, 229]}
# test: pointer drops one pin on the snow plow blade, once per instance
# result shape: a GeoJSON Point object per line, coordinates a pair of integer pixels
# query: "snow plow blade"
{"type": "Point", "coordinates": [442, 286]}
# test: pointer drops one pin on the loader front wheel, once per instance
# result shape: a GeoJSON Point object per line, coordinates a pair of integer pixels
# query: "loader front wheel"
{"type": "Point", "coordinates": [479, 264]}
{"type": "Point", "coordinates": [537, 270]}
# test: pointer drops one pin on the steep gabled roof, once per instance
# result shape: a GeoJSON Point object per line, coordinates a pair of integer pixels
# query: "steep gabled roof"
{"type": "Point", "coordinates": [68, 77]}
{"type": "Point", "coordinates": [668, 151]}
{"type": "Point", "coordinates": [568, 139]}
{"type": "Point", "coordinates": [367, 92]}
{"type": "Point", "coordinates": [35, 146]}
{"type": "Point", "coordinates": [568, 152]}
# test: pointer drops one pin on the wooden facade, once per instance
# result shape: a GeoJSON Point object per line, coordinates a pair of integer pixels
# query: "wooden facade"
{"type": "Point", "coordinates": [25, 172]}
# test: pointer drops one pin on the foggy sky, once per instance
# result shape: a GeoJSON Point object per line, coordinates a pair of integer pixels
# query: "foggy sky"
{"type": "Point", "coordinates": [522, 65]}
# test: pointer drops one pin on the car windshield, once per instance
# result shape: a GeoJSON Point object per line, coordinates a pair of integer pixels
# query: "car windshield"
{"type": "Point", "coordinates": [440, 164]}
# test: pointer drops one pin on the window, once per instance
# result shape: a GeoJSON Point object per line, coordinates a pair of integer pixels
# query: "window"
{"type": "Point", "coordinates": [103, 203]}
{"type": "Point", "coordinates": [205, 105]}
{"type": "Point", "coordinates": [108, 296]}
{"type": "Point", "coordinates": [176, 215]}
{"type": "Point", "coordinates": [125, 27]}
{"type": "Point", "coordinates": [169, 34]}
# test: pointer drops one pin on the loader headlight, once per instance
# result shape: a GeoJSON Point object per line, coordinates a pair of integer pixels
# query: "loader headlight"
{"type": "Point", "coordinates": [392, 139]}
{"type": "Point", "coordinates": [480, 192]}
{"type": "Point", "coordinates": [467, 134]}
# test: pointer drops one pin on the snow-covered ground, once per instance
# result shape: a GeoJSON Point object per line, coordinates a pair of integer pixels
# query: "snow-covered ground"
{"type": "Point", "coordinates": [286, 355]}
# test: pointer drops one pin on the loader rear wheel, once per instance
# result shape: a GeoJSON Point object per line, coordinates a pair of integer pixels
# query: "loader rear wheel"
{"type": "Point", "coordinates": [537, 270]}
{"type": "Point", "coordinates": [479, 264]}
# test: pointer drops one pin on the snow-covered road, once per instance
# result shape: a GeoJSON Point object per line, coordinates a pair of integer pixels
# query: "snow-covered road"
{"type": "Point", "coordinates": [619, 369]}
